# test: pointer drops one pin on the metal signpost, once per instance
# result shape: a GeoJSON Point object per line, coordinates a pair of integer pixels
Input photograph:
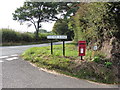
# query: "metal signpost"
{"type": "Point", "coordinates": [57, 37]}
{"type": "Point", "coordinates": [51, 47]}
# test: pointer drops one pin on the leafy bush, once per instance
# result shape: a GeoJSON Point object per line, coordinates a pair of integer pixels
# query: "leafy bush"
{"type": "Point", "coordinates": [108, 64]}
{"type": "Point", "coordinates": [96, 59]}
{"type": "Point", "coordinates": [27, 37]}
{"type": "Point", "coordinates": [9, 35]}
{"type": "Point", "coordinates": [98, 56]}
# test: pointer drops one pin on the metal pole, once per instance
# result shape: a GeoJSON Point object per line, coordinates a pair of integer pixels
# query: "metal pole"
{"type": "Point", "coordinates": [81, 57]}
{"type": "Point", "coordinates": [51, 47]}
{"type": "Point", "coordinates": [63, 48]}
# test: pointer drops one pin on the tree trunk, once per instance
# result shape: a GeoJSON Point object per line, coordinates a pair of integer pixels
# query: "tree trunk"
{"type": "Point", "coordinates": [36, 36]}
{"type": "Point", "coordinates": [37, 31]}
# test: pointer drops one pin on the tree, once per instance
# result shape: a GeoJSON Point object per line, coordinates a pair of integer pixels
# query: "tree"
{"type": "Point", "coordinates": [37, 12]}
{"type": "Point", "coordinates": [68, 9]}
{"type": "Point", "coordinates": [61, 28]}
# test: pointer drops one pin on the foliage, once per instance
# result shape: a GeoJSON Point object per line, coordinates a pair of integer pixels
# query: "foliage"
{"type": "Point", "coordinates": [98, 23]}
{"type": "Point", "coordinates": [96, 59]}
{"type": "Point", "coordinates": [43, 31]}
{"type": "Point", "coordinates": [61, 28]}
{"type": "Point", "coordinates": [11, 36]}
{"type": "Point", "coordinates": [92, 26]}
{"type": "Point", "coordinates": [68, 9]}
{"type": "Point", "coordinates": [27, 37]}
{"type": "Point", "coordinates": [37, 12]}
{"type": "Point", "coordinates": [108, 64]}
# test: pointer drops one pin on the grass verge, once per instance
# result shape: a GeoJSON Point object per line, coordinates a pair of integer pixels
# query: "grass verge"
{"type": "Point", "coordinates": [71, 64]}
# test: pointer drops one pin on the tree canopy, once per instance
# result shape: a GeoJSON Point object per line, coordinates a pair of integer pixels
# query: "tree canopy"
{"type": "Point", "coordinates": [37, 12]}
{"type": "Point", "coordinates": [61, 28]}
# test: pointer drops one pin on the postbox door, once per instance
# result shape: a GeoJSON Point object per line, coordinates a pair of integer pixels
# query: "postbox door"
{"type": "Point", "coordinates": [81, 51]}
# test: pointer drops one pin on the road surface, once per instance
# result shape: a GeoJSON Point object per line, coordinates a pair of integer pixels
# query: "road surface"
{"type": "Point", "coordinates": [17, 73]}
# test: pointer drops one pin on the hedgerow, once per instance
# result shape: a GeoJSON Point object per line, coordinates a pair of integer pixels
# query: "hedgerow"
{"type": "Point", "coordinates": [9, 35]}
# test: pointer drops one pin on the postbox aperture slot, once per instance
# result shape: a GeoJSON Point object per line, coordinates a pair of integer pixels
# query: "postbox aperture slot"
{"type": "Point", "coordinates": [81, 43]}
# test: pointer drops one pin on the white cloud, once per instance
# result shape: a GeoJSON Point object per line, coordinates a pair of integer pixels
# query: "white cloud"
{"type": "Point", "coordinates": [6, 18]}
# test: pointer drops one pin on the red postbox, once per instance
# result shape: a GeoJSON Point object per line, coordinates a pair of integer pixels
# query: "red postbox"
{"type": "Point", "coordinates": [82, 48]}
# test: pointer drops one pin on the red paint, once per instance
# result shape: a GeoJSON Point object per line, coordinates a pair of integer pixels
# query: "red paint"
{"type": "Point", "coordinates": [82, 48]}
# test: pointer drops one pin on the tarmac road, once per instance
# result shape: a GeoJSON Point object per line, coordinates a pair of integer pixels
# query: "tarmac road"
{"type": "Point", "coordinates": [17, 73]}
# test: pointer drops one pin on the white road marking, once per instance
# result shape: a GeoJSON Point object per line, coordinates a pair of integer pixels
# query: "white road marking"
{"type": "Point", "coordinates": [13, 58]}
{"type": "Point", "coordinates": [14, 55]}
{"type": "Point", "coordinates": [1, 61]}
{"type": "Point", "coordinates": [3, 56]}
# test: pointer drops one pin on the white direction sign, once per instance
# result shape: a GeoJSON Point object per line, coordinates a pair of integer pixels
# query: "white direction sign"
{"type": "Point", "coordinates": [57, 37]}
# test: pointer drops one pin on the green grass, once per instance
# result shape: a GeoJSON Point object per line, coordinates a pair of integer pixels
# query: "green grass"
{"type": "Point", "coordinates": [70, 64]}
{"type": "Point", "coordinates": [57, 50]}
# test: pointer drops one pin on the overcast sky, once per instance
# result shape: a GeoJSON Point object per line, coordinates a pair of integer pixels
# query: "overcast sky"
{"type": "Point", "coordinates": [6, 19]}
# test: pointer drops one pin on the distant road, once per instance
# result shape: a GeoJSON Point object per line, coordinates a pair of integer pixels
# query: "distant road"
{"type": "Point", "coordinates": [17, 73]}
